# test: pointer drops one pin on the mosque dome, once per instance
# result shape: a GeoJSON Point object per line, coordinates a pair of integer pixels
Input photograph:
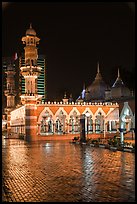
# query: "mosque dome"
{"type": "Point", "coordinates": [119, 89]}
{"type": "Point", "coordinates": [30, 31]}
{"type": "Point", "coordinates": [96, 91]}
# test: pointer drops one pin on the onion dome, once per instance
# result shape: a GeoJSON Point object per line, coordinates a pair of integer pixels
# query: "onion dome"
{"type": "Point", "coordinates": [30, 31]}
{"type": "Point", "coordinates": [96, 91]}
{"type": "Point", "coordinates": [119, 89]}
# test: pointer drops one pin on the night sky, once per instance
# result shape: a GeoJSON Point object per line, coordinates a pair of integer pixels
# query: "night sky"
{"type": "Point", "coordinates": [74, 37]}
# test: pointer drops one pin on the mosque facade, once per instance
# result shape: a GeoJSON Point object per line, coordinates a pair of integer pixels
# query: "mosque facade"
{"type": "Point", "coordinates": [35, 118]}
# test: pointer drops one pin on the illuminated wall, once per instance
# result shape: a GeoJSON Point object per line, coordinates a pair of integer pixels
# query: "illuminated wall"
{"type": "Point", "coordinates": [62, 118]}
{"type": "Point", "coordinates": [18, 116]}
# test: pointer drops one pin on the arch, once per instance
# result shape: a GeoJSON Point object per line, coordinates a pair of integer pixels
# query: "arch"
{"type": "Point", "coordinates": [42, 113]}
{"type": "Point", "coordinates": [88, 120]}
{"type": "Point", "coordinates": [112, 120]}
{"type": "Point", "coordinates": [8, 85]}
{"type": "Point", "coordinates": [60, 120]}
{"type": "Point", "coordinates": [45, 122]}
{"type": "Point", "coordinates": [101, 111]}
{"type": "Point", "coordinates": [99, 120]}
{"type": "Point", "coordinates": [74, 121]}
{"type": "Point", "coordinates": [58, 111]}
{"type": "Point", "coordinates": [88, 110]}
{"type": "Point", "coordinates": [72, 111]}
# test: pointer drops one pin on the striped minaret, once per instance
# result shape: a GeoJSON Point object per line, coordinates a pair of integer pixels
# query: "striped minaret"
{"type": "Point", "coordinates": [30, 72]}
{"type": "Point", "coordinates": [10, 94]}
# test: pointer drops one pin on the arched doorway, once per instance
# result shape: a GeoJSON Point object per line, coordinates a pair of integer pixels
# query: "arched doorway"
{"type": "Point", "coordinates": [60, 123]}
{"type": "Point", "coordinates": [46, 124]}
{"type": "Point", "coordinates": [74, 123]}
{"type": "Point", "coordinates": [99, 123]}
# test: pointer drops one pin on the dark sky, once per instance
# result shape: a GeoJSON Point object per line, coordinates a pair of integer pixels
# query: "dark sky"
{"type": "Point", "coordinates": [74, 37]}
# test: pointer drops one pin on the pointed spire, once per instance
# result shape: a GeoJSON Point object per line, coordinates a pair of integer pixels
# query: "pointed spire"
{"type": "Point", "coordinates": [98, 71]}
{"type": "Point", "coordinates": [118, 73]}
{"type": "Point", "coordinates": [98, 75]}
{"type": "Point", "coordinates": [30, 25]}
{"type": "Point", "coordinates": [118, 81]}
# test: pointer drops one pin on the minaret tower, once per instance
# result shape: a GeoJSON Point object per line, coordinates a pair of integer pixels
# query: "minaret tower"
{"type": "Point", "coordinates": [10, 93]}
{"type": "Point", "coordinates": [30, 71]}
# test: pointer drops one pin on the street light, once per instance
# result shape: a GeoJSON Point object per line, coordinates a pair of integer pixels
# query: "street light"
{"type": "Point", "coordinates": [87, 115]}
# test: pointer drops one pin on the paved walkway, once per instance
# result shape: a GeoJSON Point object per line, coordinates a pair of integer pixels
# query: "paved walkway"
{"type": "Point", "coordinates": [57, 171]}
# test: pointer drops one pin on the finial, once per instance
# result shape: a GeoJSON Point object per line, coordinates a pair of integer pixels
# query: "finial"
{"type": "Point", "coordinates": [98, 68]}
{"type": "Point", "coordinates": [118, 73]}
{"type": "Point", "coordinates": [65, 95]}
{"type": "Point", "coordinates": [30, 25]}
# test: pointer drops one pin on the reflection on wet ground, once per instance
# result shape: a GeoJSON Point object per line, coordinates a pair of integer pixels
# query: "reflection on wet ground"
{"type": "Point", "coordinates": [57, 171]}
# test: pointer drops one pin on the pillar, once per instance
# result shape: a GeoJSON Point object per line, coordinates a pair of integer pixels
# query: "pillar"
{"type": "Point", "coordinates": [110, 125]}
{"type": "Point", "coordinates": [31, 123]}
{"type": "Point", "coordinates": [68, 128]}
{"type": "Point", "coordinates": [93, 126]}
{"type": "Point", "coordinates": [64, 118]}
{"type": "Point", "coordinates": [121, 137]}
{"type": "Point", "coordinates": [82, 128]}
{"type": "Point", "coordinates": [54, 126]}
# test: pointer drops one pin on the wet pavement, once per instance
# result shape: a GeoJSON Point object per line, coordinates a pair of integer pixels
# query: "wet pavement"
{"type": "Point", "coordinates": [58, 171]}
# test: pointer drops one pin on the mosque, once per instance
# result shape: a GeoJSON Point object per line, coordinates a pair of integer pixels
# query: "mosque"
{"type": "Point", "coordinates": [105, 108]}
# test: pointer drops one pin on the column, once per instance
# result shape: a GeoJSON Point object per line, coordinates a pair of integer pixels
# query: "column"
{"type": "Point", "coordinates": [82, 129]}
{"type": "Point", "coordinates": [104, 129]}
{"type": "Point", "coordinates": [64, 124]}
{"type": "Point", "coordinates": [93, 126]}
{"type": "Point", "coordinates": [54, 126]}
{"type": "Point", "coordinates": [110, 125]}
{"type": "Point", "coordinates": [68, 128]}
{"type": "Point", "coordinates": [31, 123]}
{"type": "Point", "coordinates": [121, 137]}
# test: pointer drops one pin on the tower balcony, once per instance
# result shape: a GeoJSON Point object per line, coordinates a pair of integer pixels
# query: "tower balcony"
{"type": "Point", "coordinates": [9, 92]}
{"type": "Point", "coordinates": [10, 73]}
{"type": "Point", "coordinates": [33, 70]}
{"type": "Point", "coordinates": [30, 97]}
